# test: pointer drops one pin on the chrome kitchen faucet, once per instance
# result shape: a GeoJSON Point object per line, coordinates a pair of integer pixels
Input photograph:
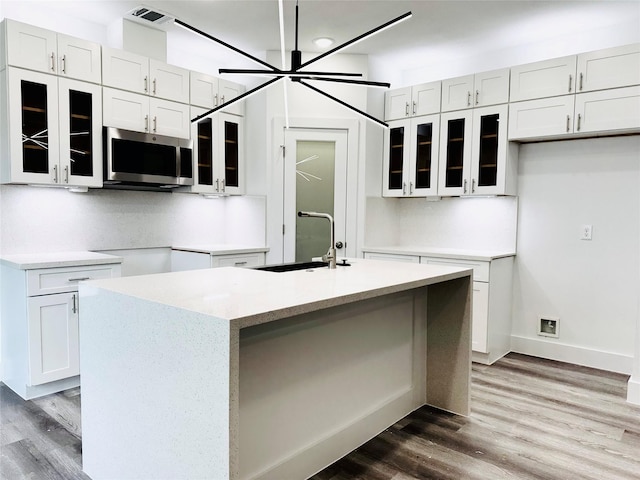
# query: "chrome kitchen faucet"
{"type": "Point", "coordinates": [331, 254]}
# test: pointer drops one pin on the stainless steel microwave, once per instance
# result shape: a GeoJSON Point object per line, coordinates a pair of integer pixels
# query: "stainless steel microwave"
{"type": "Point", "coordinates": [146, 160]}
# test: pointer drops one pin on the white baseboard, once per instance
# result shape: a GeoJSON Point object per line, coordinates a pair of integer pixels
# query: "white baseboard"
{"type": "Point", "coordinates": [633, 390]}
{"type": "Point", "coordinates": [612, 362]}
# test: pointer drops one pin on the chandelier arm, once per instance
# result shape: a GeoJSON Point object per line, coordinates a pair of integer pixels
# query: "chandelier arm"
{"type": "Point", "coordinates": [358, 38]}
{"type": "Point", "coordinates": [345, 80]}
{"type": "Point", "coordinates": [284, 73]}
{"type": "Point", "coordinates": [345, 104]}
{"type": "Point", "coordinates": [225, 44]}
{"type": "Point", "coordinates": [236, 99]}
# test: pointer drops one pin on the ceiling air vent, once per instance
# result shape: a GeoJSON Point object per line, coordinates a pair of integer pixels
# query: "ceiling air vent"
{"type": "Point", "coordinates": [146, 15]}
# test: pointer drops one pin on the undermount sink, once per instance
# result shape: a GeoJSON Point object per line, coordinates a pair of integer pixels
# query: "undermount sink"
{"type": "Point", "coordinates": [289, 267]}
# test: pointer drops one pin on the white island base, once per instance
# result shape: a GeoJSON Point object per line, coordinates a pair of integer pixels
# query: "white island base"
{"type": "Point", "coordinates": [243, 374]}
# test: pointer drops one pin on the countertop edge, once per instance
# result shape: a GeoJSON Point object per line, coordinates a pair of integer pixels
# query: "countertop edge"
{"type": "Point", "coordinates": [280, 310]}
{"type": "Point", "coordinates": [461, 254]}
{"type": "Point", "coordinates": [287, 312]}
{"type": "Point", "coordinates": [34, 264]}
{"type": "Point", "coordinates": [222, 250]}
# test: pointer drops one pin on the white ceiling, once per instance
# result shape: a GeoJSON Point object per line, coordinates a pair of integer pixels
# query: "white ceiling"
{"type": "Point", "coordinates": [436, 26]}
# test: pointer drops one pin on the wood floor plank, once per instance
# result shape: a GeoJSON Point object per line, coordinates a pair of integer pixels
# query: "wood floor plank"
{"type": "Point", "coordinates": [531, 419]}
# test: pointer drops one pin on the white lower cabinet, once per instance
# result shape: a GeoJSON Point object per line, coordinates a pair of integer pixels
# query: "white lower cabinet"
{"type": "Point", "coordinates": [491, 311]}
{"type": "Point", "coordinates": [40, 329]}
{"type": "Point", "coordinates": [185, 260]}
{"type": "Point", "coordinates": [53, 337]}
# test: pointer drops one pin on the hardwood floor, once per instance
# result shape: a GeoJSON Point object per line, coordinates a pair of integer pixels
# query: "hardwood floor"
{"type": "Point", "coordinates": [530, 419]}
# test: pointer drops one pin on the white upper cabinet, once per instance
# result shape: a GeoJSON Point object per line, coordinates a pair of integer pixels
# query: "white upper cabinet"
{"type": "Point", "coordinates": [228, 91]}
{"type": "Point", "coordinates": [168, 81]}
{"type": "Point", "coordinates": [541, 118]}
{"type": "Point", "coordinates": [218, 150]}
{"type": "Point", "coordinates": [140, 113]}
{"type": "Point", "coordinates": [204, 90]}
{"type": "Point", "coordinates": [139, 74]}
{"type": "Point", "coordinates": [54, 130]}
{"type": "Point", "coordinates": [209, 92]}
{"type": "Point", "coordinates": [609, 68]}
{"type": "Point", "coordinates": [613, 110]}
{"type": "Point", "coordinates": [543, 79]}
{"type": "Point", "coordinates": [475, 155]}
{"type": "Point", "coordinates": [481, 89]}
{"type": "Point", "coordinates": [125, 70]}
{"type": "Point", "coordinates": [423, 99]}
{"type": "Point", "coordinates": [42, 50]}
{"type": "Point", "coordinates": [411, 157]}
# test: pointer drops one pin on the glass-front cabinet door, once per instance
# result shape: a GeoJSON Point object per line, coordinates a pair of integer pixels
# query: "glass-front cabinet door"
{"type": "Point", "coordinates": [455, 153]}
{"type": "Point", "coordinates": [396, 159]}
{"type": "Point", "coordinates": [423, 169]}
{"type": "Point", "coordinates": [80, 133]}
{"type": "Point", "coordinates": [218, 144]}
{"type": "Point", "coordinates": [475, 155]}
{"type": "Point", "coordinates": [490, 151]}
{"type": "Point", "coordinates": [411, 157]}
{"type": "Point", "coordinates": [231, 153]}
{"type": "Point", "coordinates": [33, 127]}
{"type": "Point", "coordinates": [55, 130]}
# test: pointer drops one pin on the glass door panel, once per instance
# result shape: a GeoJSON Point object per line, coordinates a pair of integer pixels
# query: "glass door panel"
{"type": "Point", "coordinates": [231, 154]}
{"type": "Point", "coordinates": [488, 159]}
{"type": "Point", "coordinates": [205, 152]}
{"type": "Point", "coordinates": [81, 133]}
{"type": "Point", "coordinates": [315, 192]}
{"type": "Point", "coordinates": [424, 142]}
{"type": "Point", "coordinates": [455, 152]}
{"type": "Point", "coordinates": [35, 127]}
{"type": "Point", "coordinates": [396, 157]}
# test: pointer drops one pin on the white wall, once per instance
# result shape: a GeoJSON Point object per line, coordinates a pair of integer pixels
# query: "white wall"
{"type": "Point", "coordinates": [50, 219]}
{"type": "Point", "coordinates": [592, 286]}
{"type": "Point", "coordinates": [579, 27]}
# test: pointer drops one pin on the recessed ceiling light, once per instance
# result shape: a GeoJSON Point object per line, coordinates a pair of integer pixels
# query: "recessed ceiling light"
{"type": "Point", "coordinates": [323, 42]}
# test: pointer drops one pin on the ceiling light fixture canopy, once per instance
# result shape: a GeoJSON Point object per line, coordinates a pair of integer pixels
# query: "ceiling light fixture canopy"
{"type": "Point", "coordinates": [296, 72]}
{"type": "Point", "coordinates": [323, 42]}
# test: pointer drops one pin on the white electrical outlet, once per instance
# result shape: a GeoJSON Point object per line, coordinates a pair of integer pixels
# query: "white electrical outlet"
{"type": "Point", "coordinates": [586, 232]}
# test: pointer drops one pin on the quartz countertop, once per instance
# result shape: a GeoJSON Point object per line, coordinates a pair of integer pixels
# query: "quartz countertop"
{"type": "Point", "coordinates": [221, 249]}
{"type": "Point", "coordinates": [248, 297]}
{"type": "Point", "coordinates": [31, 261]}
{"type": "Point", "coordinates": [455, 253]}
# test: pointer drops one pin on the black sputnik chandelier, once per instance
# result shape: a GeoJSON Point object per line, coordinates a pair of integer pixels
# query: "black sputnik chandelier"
{"type": "Point", "coordinates": [296, 73]}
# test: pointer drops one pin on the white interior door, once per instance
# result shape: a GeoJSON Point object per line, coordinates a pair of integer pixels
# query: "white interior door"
{"type": "Point", "coordinates": [315, 179]}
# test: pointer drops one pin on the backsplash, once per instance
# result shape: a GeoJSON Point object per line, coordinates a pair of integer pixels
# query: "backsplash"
{"type": "Point", "coordinates": [36, 219]}
{"type": "Point", "coordinates": [463, 223]}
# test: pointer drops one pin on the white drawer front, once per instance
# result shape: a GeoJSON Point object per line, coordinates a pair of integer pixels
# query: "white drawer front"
{"type": "Point", "coordinates": [480, 268]}
{"type": "Point", "coordinates": [247, 260]}
{"type": "Point", "coordinates": [58, 280]}
{"type": "Point", "coordinates": [392, 257]}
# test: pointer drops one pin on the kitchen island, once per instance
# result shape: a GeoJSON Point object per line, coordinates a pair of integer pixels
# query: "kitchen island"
{"type": "Point", "coordinates": [245, 374]}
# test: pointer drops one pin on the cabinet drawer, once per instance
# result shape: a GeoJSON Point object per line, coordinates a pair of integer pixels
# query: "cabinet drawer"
{"type": "Point", "coordinates": [245, 260]}
{"type": "Point", "coordinates": [480, 268]}
{"type": "Point", "coordinates": [392, 257]}
{"type": "Point", "coordinates": [58, 280]}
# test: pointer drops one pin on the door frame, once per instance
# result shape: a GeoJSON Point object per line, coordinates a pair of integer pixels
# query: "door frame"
{"type": "Point", "coordinates": [275, 180]}
{"type": "Point", "coordinates": [339, 137]}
